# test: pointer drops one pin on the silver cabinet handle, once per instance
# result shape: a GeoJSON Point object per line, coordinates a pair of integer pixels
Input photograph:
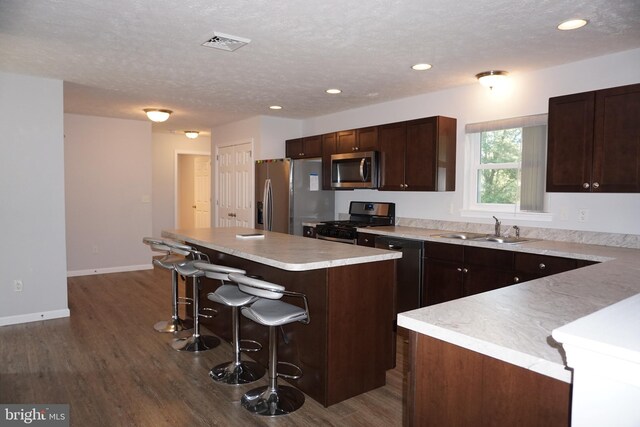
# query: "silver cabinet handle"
{"type": "Point", "coordinates": [542, 266]}
{"type": "Point", "coordinates": [596, 185]}
{"type": "Point", "coordinates": [459, 269]}
{"type": "Point", "coordinates": [585, 185]}
{"type": "Point", "coordinates": [464, 270]}
{"type": "Point", "coordinates": [516, 279]}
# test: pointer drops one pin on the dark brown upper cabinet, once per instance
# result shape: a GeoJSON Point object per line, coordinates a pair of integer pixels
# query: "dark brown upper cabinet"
{"type": "Point", "coordinates": [304, 148]}
{"type": "Point", "coordinates": [418, 155]}
{"type": "Point", "coordinates": [328, 148]}
{"type": "Point", "coordinates": [594, 141]}
{"type": "Point", "coordinates": [362, 139]}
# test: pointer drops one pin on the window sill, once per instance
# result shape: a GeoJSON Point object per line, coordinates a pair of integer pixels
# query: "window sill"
{"type": "Point", "coordinates": [526, 216]}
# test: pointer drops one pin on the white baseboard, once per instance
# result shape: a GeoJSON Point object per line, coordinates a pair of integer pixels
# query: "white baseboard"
{"type": "Point", "coordinates": [34, 317]}
{"type": "Point", "coordinates": [110, 270]}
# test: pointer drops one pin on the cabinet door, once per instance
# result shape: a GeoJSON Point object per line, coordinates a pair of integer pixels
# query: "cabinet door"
{"type": "Point", "coordinates": [367, 139]}
{"type": "Point", "coordinates": [420, 158]}
{"type": "Point", "coordinates": [487, 269]}
{"type": "Point", "coordinates": [345, 141]}
{"type": "Point", "coordinates": [312, 146]}
{"type": "Point", "coordinates": [443, 281]}
{"type": "Point", "coordinates": [328, 148]}
{"type": "Point", "coordinates": [616, 149]}
{"type": "Point", "coordinates": [570, 142]}
{"type": "Point", "coordinates": [482, 278]}
{"type": "Point", "coordinates": [392, 139]}
{"type": "Point", "coordinates": [294, 148]}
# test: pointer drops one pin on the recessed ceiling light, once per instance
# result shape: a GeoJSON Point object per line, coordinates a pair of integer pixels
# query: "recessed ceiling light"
{"type": "Point", "coordinates": [333, 91]}
{"type": "Point", "coordinates": [572, 24]}
{"type": "Point", "coordinates": [275, 107]}
{"type": "Point", "coordinates": [421, 67]}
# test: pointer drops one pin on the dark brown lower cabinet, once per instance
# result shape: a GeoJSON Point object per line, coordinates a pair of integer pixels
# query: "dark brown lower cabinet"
{"type": "Point", "coordinates": [453, 386]}
{"type": "Point", "coordinates": [349, 343]}
{"type": "Point", "coordinates": [455, 271]}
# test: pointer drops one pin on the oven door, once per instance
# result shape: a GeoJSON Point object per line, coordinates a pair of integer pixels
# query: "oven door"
{"type": "Point", "coordinates": [337, 239]}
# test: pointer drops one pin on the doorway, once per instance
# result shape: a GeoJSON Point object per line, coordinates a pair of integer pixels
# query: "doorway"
{"type": "Point", "coordinates": [234, 178]}
{"type": "Point", "coordinates": [193, 190]}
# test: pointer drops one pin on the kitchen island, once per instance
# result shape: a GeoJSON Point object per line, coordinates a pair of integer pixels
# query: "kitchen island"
{"type": "Point", "coordinates": [490, 358]}
{"type": "Point", "coordinates": [349, 344]}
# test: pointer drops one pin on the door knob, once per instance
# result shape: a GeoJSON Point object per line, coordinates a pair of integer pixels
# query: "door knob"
{"type": "Point", "coordinates": [194, 206]}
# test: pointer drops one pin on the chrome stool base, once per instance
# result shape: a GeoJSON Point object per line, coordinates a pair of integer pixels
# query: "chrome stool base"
{"type": "Point", "coordinates": [173, 325]}
{"type": "Point", "coordinates": [269, 402]}
{"type": "Point", "coordinates": [196, 344]}
{"type": "Point", "coordinates": [230, 373]}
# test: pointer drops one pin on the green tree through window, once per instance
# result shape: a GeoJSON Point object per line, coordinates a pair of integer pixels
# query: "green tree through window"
{"type": "Point", "coordinates": [499, 172]}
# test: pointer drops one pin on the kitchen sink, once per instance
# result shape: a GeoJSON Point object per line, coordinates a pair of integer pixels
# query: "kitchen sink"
{"type": "Point", "coordinates": [481, 237]}
{"type": "Point", "coordinates": [500, 239]}
{"type": "Point", "coordinates": [462, 236]}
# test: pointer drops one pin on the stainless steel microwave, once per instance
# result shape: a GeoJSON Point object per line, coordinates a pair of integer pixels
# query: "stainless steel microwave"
{"type": "Point", "coordinates": [354, 170]}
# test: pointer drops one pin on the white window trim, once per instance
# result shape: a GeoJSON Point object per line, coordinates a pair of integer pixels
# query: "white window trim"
{"type": "Point", "coordinates": [473, 209]}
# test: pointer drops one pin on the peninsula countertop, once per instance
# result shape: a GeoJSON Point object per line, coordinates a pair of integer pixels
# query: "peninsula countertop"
{"type": "Point", "coordinates": [514, 324]}
{"type": "Point", "coordinates": [284, 251]}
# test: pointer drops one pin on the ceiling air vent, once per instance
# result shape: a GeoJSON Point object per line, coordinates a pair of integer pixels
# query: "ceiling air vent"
{"type": "Point", "coordinates": [225, 42]}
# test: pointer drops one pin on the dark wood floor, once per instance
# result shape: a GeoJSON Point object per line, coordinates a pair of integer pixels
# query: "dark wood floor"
{"type": "Point", "coordinates": [113, 369]}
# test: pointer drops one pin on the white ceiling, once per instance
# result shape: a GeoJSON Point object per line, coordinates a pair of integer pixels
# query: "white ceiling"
{"type": "Point", "coordinates": [120, 56]}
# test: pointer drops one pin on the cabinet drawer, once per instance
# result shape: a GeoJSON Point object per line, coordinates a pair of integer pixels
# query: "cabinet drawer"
{"type": "Point", "coordinates": [366, 239]}
{"type": "Point", "coordinates": [542, 265]}
{"type": "Point", "coordinates": [489, 257]}
{"type": "Point", "coordinates": [444, 252]}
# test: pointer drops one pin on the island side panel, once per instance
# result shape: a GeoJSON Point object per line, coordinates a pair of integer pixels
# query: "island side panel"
{"type": "Point", "coordinates": [450, 385]}
{"type": "Point", "coordinates": [307, 346]}
{"type": "Point", "coordinates": [361, 334]}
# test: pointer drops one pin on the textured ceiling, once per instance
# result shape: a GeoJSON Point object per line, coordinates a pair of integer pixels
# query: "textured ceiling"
{"type": "Point", "coordinates": [120, 56]}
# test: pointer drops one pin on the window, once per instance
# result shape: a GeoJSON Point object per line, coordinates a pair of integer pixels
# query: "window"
{"type": "Point", "coordinates": [506, 165]}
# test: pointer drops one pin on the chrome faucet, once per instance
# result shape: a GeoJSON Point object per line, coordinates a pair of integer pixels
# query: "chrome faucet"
{"type": "Point", "coordinates": [515, 227]}
{"type": "Point", "coordinates": [497, 227]}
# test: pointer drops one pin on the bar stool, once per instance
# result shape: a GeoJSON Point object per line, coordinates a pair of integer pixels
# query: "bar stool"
{"type": "Point", "coordinates": [272, 399]}
{"type": "Point", "coordinates": [236, 371]}
{"type": "Point", "coordinates": [174, 255]}
{"type": "Point", "coordinates": [196, 342]}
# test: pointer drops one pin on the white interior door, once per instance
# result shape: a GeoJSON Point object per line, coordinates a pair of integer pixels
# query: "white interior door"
{"type": "Point", "coordinates": [202, 191]}
{"type": "Point", "coordinates": [235, 186]}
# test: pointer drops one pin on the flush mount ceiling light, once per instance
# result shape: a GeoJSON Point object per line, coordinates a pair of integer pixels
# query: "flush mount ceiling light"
{"type": "Point", "coordinates": [333, 91]}
{"type": "Point", "coordinates": [421, 67]}
{"type": "Point", "coordinates": [572, 24]}
{"type": "Point", "coordinates": [191, 134]}
{"type": "Point", "coordinates": [156, 115]}
{"type": "Point", "coordinates": [492, 78]}
{"type": "Point", "coordinates": [275, 107]}
{"type": "Point", "coordinates": [226, 42]}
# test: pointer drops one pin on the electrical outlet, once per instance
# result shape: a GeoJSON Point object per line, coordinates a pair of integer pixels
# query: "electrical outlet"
{"type": "Point", "coordinates": [564, 214]}
{"type": "Point", "coordinates": [94, 249]}
{"type": "Point", "coordinates": [18, 285]}
{"type": "Point", "coordinates": [583, 215]}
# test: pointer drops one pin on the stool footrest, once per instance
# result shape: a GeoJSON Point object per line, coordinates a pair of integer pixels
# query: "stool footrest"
{"type": "Point", "coordinates": [295, 376]}
{"type": "Point", "coordinates": [208, 316]}
{"type": "Point", "coordinates": [257, 347]}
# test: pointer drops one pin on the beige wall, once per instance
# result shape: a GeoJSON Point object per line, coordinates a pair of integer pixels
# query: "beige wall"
{"type": "Point", "coordinates": [32, 210]}
{"type": "Point", "coordinates": [108, 193]}
{"type": "Point", "coordinates": [165, 148]}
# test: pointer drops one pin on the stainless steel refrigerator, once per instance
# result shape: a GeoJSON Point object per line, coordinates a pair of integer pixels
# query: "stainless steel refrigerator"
{"type": "Point", "coordinates": [288, 193]}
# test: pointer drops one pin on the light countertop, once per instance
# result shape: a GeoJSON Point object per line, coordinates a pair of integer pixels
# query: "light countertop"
{"type": "Point", "coordinates": [514, 324]}
{"type": "Point", "coordinates": [284, 251]}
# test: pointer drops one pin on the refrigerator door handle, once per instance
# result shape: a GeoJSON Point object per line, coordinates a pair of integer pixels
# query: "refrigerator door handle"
{"type": "Point", "coordinates": [267, 198]}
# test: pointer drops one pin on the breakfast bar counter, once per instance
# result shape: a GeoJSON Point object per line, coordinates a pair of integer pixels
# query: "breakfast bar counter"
{"type": "Point", "coordinates": [349, 344]}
